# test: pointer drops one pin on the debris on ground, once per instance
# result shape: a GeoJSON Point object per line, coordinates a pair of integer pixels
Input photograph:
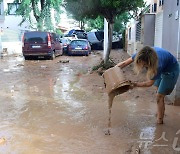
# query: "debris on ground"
{"type": "Point", "coordinates": [4, 52]}
{"type": "Point", "coordinates": [101, 67]}
{"type": "Point", "coordinates": [138, 150]}
{"type": "Point", "coordinates": [137, 97]}
{"type": "Point", "coordinates": [2, 140]}
{"type": "Point", "coordinates": [63, 61]}
{"type": "Point", "coordinates": [79, 74]}
{"type": "Point", "coordinates": [43, 66]}
{"type": "Point", "coordinates": [6, 70]}
{"type": "Point", "coordinates": [20, 64]}
{"type": "Point", "coordinates": [107, 132]}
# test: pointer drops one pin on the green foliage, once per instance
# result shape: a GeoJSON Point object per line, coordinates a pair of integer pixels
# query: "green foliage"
{"type": "Point", "coordinates": [41, 10]}
{"type": "Point", "coordinates": [106, 8]}
{"type": "Point", "coordinates": [97, 23]}
{"type": "Point", "coordinates": [119, 25]}
{"type": "Point", "coordinates": [58, 31]}
{"type": "Point", "coordinates": [80, 9]}
{"type": "Point", "coordinates": [121, 21]}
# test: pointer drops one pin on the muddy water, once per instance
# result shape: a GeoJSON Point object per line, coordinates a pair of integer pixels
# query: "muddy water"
{"type": "Point", "coordinates": [111, 96]}
{"type": "Point", "coordinates": [50, 107]}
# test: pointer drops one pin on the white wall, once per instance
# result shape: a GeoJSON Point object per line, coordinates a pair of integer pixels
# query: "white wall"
{"type": "Point", "coordinates": [131, 48]}
{"type": "Point", "coordinates": [12, 21]}
{"type": "Point", "coordinates": [10, 31]}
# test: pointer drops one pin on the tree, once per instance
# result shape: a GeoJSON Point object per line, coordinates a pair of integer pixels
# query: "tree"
{"type": "Point", "coordinates": [97, 23]}
{"type": "Point", "coordinates": [41, 10]}
{"type": "Point", "coordinates": [121, 21]}
{"type": "Point", "coordinates": [78, 15]}
{"type": "Point", "coordinates": [119, 24]}
{"type": "Point", "coordinates": [108, 9]}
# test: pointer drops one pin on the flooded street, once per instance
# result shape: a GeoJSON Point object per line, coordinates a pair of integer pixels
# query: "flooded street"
{"type": "Point", "coordinates": [53, 107]}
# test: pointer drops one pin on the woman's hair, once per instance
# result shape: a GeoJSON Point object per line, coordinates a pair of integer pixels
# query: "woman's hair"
{"type": "Point", "coordinates": [148, 57]}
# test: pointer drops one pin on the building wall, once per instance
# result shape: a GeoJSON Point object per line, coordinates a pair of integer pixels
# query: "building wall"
{"type": "Point", "coordinates": [170, 27]}
{"type": "Point", "coordinates": [10, 31]}
{"type": "Point", "coordinates": [9, 19]}
{"type": "Point", "coordinates": [149, 29]}
{"type": "Point", "coordinates": [159, 5]}
{"type": "Point", "coordinates": [171, 37]}
{"type": "Point", "coordinates": [158, 29]}
{"type": "Point", "coordinates": [142, 33]}
{"type": "Point", "coordinates": [131, 48]}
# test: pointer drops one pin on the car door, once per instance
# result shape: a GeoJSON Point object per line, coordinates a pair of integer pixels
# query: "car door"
{"type": "Point", "coordinates": [57, 45]}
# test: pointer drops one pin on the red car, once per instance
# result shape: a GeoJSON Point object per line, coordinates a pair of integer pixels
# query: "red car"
{"type": "Point", "coordinates": [41, 45]}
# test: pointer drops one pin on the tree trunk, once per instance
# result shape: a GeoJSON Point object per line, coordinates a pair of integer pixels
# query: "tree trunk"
{"type": "Point", "coordinates": [109, 47]}
{"type": "Point", "coordinates": [81, 24]}
{"type": "Point", "coordinates": [39, 24]}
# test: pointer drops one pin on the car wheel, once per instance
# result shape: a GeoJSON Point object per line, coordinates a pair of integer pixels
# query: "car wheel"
{"type": "Point", "coordinates": [87, 54]}
{"type": "Point", "coordinates": [52, 56]}
{"type": "Point", "coordinates": [26, 58]}
{"type": "Point", "coordinates": [64, 52]}
{"type": "Point", "coordinates": [102, 44]}
{"type": "Point", "coordinates": [69, 53]}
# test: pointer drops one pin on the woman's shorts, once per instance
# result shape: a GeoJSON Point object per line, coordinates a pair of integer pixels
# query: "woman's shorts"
{"type": "Point", "coordinates": [167, 81]}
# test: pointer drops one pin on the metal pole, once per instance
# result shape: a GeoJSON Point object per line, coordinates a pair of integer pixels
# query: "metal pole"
{"type": "Point", "coordinates": [105, 37]}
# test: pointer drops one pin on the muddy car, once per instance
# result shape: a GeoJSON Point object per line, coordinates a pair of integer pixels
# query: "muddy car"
{"type": "Point", "coordinates": [65, 43]}
{"type": "Point", "coordinates": [96, 39]}
{"type": "Point", "coordinates": [79, 47]}
{"type": "Point", "coordinates": [41, 45]}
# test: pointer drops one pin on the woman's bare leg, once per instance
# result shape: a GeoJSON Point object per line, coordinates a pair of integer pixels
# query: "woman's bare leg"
{"type": "Point", "coordinates": [160, 108]}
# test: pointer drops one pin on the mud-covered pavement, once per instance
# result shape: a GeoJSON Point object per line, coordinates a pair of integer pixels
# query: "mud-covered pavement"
{"type": "Point", "coordinates": [54, 107]}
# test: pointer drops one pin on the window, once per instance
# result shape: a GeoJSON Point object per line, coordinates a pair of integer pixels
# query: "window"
{"type": "Point", "coordinates": [177, 2]}
{"type": "Point", "coordinates": [154, 7]}
{"type": "Point", "coordinates": [161, 2]}
{"type": "Point", "coordinates": [138, 31]}
{"type": "Point", "coordinates": [12, 7]}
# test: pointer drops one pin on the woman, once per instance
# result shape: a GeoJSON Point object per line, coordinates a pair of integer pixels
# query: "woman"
{"type": "Point", "coordinates": [162, 71]}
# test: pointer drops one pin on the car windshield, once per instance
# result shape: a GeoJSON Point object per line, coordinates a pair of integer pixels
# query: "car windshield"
{"type": "Point", "coordinates": [99, 35]}
{"type": "Point", "coordinates": [64, 41]}
{"type": "Point", "coordinates": [79, 31]}
{"type": "Point", "coordinates": [79, 42]}
{"type": "Point", "coordinates": [38, 37]}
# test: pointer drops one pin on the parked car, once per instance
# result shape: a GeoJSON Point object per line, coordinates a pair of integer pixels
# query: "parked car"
{"type": "Point", "coordinates": [96, 39]}
{"type": "Point", "coordinates": [70, 37]}
{"type": "Point", "coordinates": [81, 34]}
{"type": "Point", "coordinates": [79, 47]}
{"type": "Point", "coordinates": [65, 42]}
{"type": "Point", "coordinates": [41, 45]}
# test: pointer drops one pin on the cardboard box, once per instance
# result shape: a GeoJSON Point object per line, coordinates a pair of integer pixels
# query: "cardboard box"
{"type": "Point", "coordinates": [115, 81]}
